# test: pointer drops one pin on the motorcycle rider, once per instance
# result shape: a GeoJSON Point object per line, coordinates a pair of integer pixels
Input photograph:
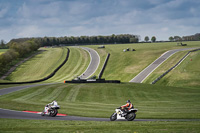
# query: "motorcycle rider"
{"type": "Point", "coordinates": [126, 107]}
{"type": "Point", "coordinates": [46, 108]}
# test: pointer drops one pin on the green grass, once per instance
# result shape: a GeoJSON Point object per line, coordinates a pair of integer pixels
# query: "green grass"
{"type": "Point", "coordinates": [43, 64]}
{"type": "Point", "coordinates": [9, 125]}
{"type": "Point", "coordinates": [77, 63]}
{"type": "Point", "coordinates": [171, 61]}
{"type": "Point", "coordinates": [39, 66]}
{"type": "Point", "coordinates": [125, 65]}
{"type": "Point", "coordinates": [121, 65]}
{"type": "Point", "coordinates": [3, 51]}
{"type": "Point", "coordinates": [100, 100]}
{"type": "Point", "coordinates": [187, 74]}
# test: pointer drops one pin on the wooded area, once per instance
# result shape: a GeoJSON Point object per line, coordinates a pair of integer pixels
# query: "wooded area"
{"type": "Point", "coordinates": [82, 40]}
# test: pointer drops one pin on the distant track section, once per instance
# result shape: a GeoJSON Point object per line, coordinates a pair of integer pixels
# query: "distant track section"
{"type": "Point", "coordinates": [148, 70]}
{"type": "Point", "coordinates": [94, 63]}
{"type": "Point", "coordinates": [43, 79]}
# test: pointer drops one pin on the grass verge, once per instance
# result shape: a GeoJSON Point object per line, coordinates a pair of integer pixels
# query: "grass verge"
{"type": "Point", "coordinates": [11, 125]}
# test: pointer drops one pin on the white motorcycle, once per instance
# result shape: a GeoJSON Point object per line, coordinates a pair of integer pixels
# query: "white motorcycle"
{"type": "Point", "coordinates": [52, 111]}
{"type": "Point", "coordinates": [119, 115]}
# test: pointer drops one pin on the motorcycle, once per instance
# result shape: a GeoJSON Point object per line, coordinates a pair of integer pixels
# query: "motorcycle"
{"type": "Point", "coordinates": [52, 111]}
{"type": "Point", "coordinates": [130, 115]}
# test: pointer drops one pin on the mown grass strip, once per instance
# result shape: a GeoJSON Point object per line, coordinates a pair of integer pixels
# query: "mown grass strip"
{"type": "Point", "coordinates": [100, 100]}
{"type": "Point", "coordinates": [12, 125]}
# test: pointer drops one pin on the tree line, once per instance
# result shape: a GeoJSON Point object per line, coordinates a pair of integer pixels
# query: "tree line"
{"type": "Point", "coordinates": [195, 37]}
{"type": "Point", "coordinates": [82, 40]}
{"type": "Point", "coordinates": [16, 50]}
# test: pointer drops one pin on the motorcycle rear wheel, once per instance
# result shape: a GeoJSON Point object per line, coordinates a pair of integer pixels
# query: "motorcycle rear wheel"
{"type": "Point", "coordinates": [131, 116]}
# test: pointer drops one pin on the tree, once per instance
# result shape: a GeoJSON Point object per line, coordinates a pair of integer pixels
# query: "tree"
{"type": "Point", "coordinates": [171, 38]}
{"type": "Point", "coordinates": [146, 38]}
{"type": "Point", "coordinates": [153, 39]}
{"type": "Point", "coordinates": [177, 38]}
{"type": "Point", "coordinates": [2, 44]}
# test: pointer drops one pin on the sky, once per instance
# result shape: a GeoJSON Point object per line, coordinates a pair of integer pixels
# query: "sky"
{"type": "Point", "coordinates": [58, 18]}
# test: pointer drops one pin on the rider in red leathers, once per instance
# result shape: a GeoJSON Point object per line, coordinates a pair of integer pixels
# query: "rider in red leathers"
{"type": "Point", "coordinates": [127, 107]}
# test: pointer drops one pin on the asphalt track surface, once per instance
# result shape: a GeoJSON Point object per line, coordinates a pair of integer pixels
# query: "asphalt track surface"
{"type": "Point", "coordinates": [148, 70]}
{"type": "Point", "coordinates": [94, 63]}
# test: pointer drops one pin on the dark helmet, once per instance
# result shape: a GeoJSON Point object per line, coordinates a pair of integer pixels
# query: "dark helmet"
{"type": "Point", "coordinates": [128, 101]}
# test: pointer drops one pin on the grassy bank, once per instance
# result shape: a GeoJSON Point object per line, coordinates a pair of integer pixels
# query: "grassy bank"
{"type": "Point", "coordinates": [100, 100]}
{"type": "Point", "coordinates": [125, 65]}
{"type": "Point", "coordinates": [40, 65]}
{"type": "Point", "coordinates": [77, 63]}
{"type": "Point", "coordinates": [47, 61]}
{"type": "Point", "coordinates": [186, 74]}
{"type": "Point", "coordinates": [9, 125]}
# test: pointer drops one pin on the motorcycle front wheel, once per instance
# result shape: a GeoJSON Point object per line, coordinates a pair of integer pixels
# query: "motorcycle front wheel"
{"type": "Point", "coordinates": [42, 114]}
{"type": "Point", "coordinates": [113, 117]}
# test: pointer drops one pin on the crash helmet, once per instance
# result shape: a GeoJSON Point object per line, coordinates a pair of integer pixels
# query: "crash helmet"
{"type": "Point", "coordinates": [128, 101]}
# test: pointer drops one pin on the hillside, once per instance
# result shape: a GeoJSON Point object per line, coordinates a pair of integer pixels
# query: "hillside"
{"type": "Point", "coordinates": [47, 61]}
{"type": "Point", "coordinates": [125, 65]}
{"type": "Point", "coordinates": [121, 65]}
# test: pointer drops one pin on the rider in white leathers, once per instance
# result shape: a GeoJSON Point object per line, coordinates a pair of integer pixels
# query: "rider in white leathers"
{"type": "Point", "coordinates": [54, 103]}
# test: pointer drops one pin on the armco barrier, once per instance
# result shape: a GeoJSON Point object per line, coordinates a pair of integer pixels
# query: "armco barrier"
{"type": "Point", "coordinates": [104, 66]}
{"type": "Point", "coordinates": [174, 66]}
{"type": "Point", "coordinates": [93, 81]}
{"type": "Point", "coordinates": [43, 79]}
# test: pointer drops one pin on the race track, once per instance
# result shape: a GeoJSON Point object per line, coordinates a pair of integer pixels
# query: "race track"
{"type": "Point", "coordinates": [148, 70]}
{"type": "Point", "coordinates": [94, 63]}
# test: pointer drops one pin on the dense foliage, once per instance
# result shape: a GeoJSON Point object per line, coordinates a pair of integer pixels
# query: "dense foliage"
{"type": "Point", "coordinates": [112, 39]}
